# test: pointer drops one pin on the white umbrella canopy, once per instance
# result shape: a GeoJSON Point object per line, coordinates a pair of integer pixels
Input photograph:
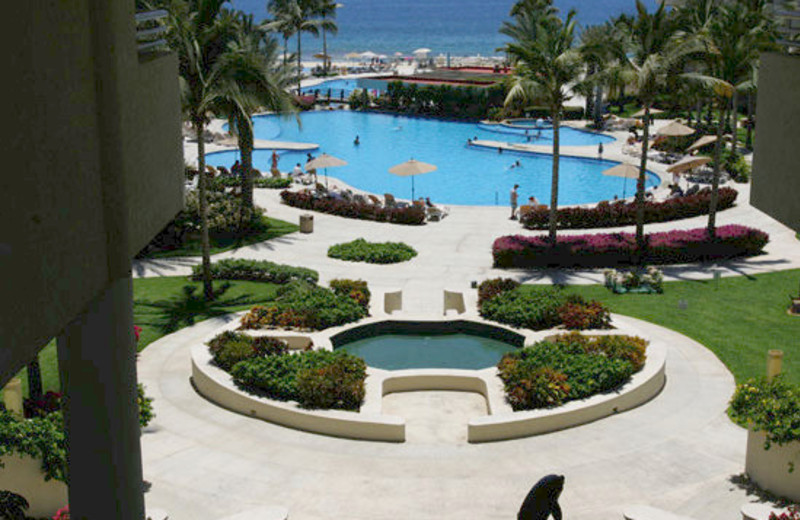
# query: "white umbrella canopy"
{"type": "Point", "coordinates": [689, 164]}
{"type": "Point", "coordinates": [368, 55]}
{"type": "Point", "coordinates": [706, 139]}
{"type": "Point", "coordinates": [675, 129]}
{"type": "Point", "coordinates": [640, 113]}
{"type": "Point", "coordinates": [422, 50]}
{"type": "Point", "coordinates": [410, 169]}
{"type": "Point", "coordinates": [625, 170]}
{"type": "Point", "coordinates": [352, 55]}
{"type": "Point", "coordinates": [324, 161]}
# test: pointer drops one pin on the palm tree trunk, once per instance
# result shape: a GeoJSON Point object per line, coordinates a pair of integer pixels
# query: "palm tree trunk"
{"type": "Point", "coordinates": [35, 389]}
{"type": "Point", "coordinates": [199, 126]}
{"type": "Point", "coordinates": [712, 204]}
{"type": "Point", "coordinates": [734, 122]}
{"type": "Point", "coordinates": [556, 115]}
{"type": "Point", "coordinates": [640, 245]}
{"type": "Point", "coordinates": [246, 148]}
{"type": "Point", "coordinates": [324, 50]}
{"type": "Point", "coordinates": [748, 140]}
{"type": "Point", "coordinates": [598, 106]}
{"type": "Point", "coordinates": [299, 64]}
{"type": "Point", "coordinates": [285, 47]}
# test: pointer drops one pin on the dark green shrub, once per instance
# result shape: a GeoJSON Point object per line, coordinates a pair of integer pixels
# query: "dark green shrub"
{"type": "Point", "coordinates": [531, 309]}
{"type": "Point", "coordinates": [145, 404]}
{"type": "Point", "coordinates": [540, 387]}
{"type": "Point", "coordinates": [357, 290]}
{"type": "Point", "coordinates": [265, 346]}
{"type": "Point", "coordinates": [360, 250]}
{"type": "Point", "coordinates": [339, 384]}
{"type": "Point", "coordinates": [228, 348]}
{"type": "Point", "coordinates": [771, 407]}
{"type": "Point", "coordinates": [488, 289]}
{"type": "Point", "coordinates": [272, 183]}
{"type": "Point", "coordinates": [12, 506]}
{"type": "Point", "coordinates": [277, 376]}
{"type": "Point", "coordinates": [256, 271]}
{"type": "Point", "coordinates": [40, 437]}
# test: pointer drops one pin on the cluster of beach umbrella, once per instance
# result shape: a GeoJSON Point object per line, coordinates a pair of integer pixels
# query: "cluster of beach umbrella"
{"type": "Point", "coordinates": [420, 53]}
{"type": "Point", "coordinates": [672, 129]}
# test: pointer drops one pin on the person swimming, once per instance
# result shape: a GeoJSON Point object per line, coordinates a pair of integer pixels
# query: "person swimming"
{"type": "Point", "coordinates": [357, 141]}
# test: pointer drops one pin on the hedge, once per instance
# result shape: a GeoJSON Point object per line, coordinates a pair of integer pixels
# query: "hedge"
{"type": "Point", "coordinates": [360, 250]}
{"type": "Point", "coordinates": [410, 215]}
{"type": "Point", "coordinates": [612, 249]}
{"type": "Point", "coordinates": [256, 271]}
{"type": "Point", "coordinates": [228, 348]}
{"type": "Point", "coordinates": [621, 213]}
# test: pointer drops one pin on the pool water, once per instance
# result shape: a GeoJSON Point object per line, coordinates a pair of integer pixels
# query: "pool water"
{"type": "Point", "coordinates": [340, 88]}
{"type": "Point", "coordinates": [465, 175]}
{"type": "Point", "coordinates": [405, 351]}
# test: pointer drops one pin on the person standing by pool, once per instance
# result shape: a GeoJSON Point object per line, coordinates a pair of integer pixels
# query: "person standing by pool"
{"type": "Point", "coordinates": [600, 150]}
{"type": "Point", "coordinates": [275, 162]}
{"type": "Point", "coordinates": [513, 199]}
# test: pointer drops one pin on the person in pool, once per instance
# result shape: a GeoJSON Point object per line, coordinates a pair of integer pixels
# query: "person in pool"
{"type": "Point", "coordinates": [357, 141]}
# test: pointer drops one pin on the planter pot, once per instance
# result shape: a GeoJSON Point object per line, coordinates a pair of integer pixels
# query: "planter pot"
{"type": "Point", "coordinates": [23, 475]}
{"type": "Point", "coordinates": [770, 468]}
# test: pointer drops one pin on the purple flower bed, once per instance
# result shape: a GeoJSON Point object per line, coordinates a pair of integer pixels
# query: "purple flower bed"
{"type": "Point", "coordinates": [411, 215]}
{"type": "Point", "coordinates": [612, 249]}
{"type": "Point", "coordinates": [622, 213]}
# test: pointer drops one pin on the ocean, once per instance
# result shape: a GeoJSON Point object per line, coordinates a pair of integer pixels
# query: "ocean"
{"type": "Point", "coordinates": [458, 27]}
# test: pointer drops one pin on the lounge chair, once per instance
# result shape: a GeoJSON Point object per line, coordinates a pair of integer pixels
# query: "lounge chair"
{"type": "Point", "coordinates": [390, 202]}
{"type": "Point", "coordinates": [375, 200]}
{"type": "Point", "coordinates": [693, 189]}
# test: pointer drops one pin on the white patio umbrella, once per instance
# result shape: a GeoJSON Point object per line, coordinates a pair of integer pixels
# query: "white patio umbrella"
{"type": "Point", "coordinates": [675, 129]}
{"type": "Point", "coordinates": [422, 50]}
{"type": "Point", "coordinates": [324, 161]}
{"type": "Point", "coordinates": [706, 139]}
{"type": "Point", "coordinates": [689, 164]}
{"type": "Point", "coordinates": [368, 55]}
{"type": "Point", "coordinates": [410, 169]}
{"type": "Point", "coordinates": [625, 170]}
{"type": "Point", "coordinates": [640, 113]}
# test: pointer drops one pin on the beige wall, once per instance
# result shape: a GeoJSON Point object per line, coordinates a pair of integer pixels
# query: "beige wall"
{"type": "Point", "coordinates": [23, 475]}
{"type": "Point", "coordinates": [770, 468]}
{"type": "Point", "coordinates": [88, 129]}
{"type": "Point", "coordinates": [776, 162]}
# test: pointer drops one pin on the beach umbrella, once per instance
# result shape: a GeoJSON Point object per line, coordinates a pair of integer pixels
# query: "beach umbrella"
{"type": "Point", "coordinates": [624, 170]}
{"type": "Point", "coordinates": [352, 55]}
{"type": "Point", "coordinates": [689, 164]}
{"type": "Point", "coordinates": [422, 50]}
{"type": "Point", "coordinates": [368, 55]}
{"type": "Point", "coordinates": [675, 129]}
{"type": "Point", "coordinates": [706, 139]}
{"type": "Point", "coordinates": [411, 168]}
{"type": "Point", "coordinates": [640, 113]}
{"type": "Point", "coordinates": [324, 161]}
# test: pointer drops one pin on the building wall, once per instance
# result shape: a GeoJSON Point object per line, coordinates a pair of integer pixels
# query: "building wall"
{"type": "Point", "coordinates": [776, 161]}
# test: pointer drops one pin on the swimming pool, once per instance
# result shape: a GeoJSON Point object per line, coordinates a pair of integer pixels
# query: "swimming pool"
{"type": "Point", "coordinates": [339, 88]}
{"type": "Point", "coordinates": [465, 175]}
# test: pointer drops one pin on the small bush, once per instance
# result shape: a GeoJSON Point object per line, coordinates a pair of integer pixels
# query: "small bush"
{"type": "Point", "coordinates": [228, 348]}
{"type": "Point", "coordinates": [256, 271]}
{"type": "Point", "coordinates": [771, 407]}
{"type": "Point", "coordinates": [338, 384]}
{"type": "Point", "coordinates": [488, 289]}
{"type": "Point", "coordinates": [630, 348]}
{"type": "Point", "coordinates": [360, 250]}
{"type": "Point", "coordinates": [272, 183]}
{"type": "Point", "coordinates": [540, 387]}
{"type": "Point", "coordinates": [410, 215]}
{"type": "Point", "coordinates": [40, 437]}
{"type": "Point", "coordinates": [581, 315]}
{"type": "Point", "coordinates": [264, 346]}
{"type": "Point", "coordinates": [356, 290]}
{"type": "Point", "coordinates": [535, 309]}
{"type": "Point", "coordinates": [145, 405]}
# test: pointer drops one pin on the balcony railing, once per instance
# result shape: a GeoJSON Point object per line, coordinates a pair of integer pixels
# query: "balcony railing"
{"type": "Point", "coordinates": [151, 30]}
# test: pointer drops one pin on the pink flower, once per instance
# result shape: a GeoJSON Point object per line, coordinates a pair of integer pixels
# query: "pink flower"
{"type": "Point", "coordinates": [136, 331]}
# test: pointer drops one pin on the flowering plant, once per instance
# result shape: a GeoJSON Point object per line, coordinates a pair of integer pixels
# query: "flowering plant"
{"type": "Point", "coordinates": [62, 514]}
{"type": "Point", "coordinates": [793, 513]}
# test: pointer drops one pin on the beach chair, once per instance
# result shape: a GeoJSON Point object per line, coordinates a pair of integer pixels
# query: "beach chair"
{"type": "Point", "coordinates": [375, 200]}
{"type": "Point", "coordinates": [390, 202]}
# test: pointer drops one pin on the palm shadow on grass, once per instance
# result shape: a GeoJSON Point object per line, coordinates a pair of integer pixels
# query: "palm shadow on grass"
{"type": "Point", "coordinates": [190, 307]}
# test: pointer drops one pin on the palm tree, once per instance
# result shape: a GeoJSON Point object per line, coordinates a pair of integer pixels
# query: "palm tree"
{"type": "Point", "coordinates": [327, 10]}
{"type": "Point", "coordinates": [600, 45]}
{"type": "Point", "coordinates": [546, 62]}
{"type": "Point", "coordinates": [199, 32]}
{"type": "Point", "coordinates": [250, 77]}
{"type": "Point", "coordinates": [281, 22]}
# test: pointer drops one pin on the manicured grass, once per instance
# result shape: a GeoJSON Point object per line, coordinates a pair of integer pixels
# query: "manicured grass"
{"type": "Point", "coordinates": [738, 318]}
{"type": "Point", "coordinates": [162, 306]}
{"type": "Point", "coordinates": [193, 246]}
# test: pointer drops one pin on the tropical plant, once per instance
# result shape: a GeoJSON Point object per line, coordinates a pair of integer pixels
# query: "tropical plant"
{"type": "Point", "coordinates": [327, 10]}
{"type": "Point", "coordinates": [12, 506]}
{"type": "Point", "coordinates": [545, 64]}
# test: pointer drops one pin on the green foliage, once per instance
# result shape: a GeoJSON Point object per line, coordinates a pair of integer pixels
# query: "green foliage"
{"type": "Point", "coordinates": [474, 101]}
{"type": "Point", "coordinates": [12, 506]}
{"type": "Point", "coordinates": [578, 314]}
{"type": "Point", "coordinates": [357, 290]}
{"type": "Point", "coordinates": [272, 183]}
{"type": "Point", "coordinates": [736, 166]}
{"type": "Point", "coordinates": [535, 309]}
{"type": "Point", "coordinates": [257, 271]}
{"type": "Point", "coordinates": [770, 407]}
{"type": "Point", "coordinates": [570, 367]}
{"type": "Point", "coordinates": [281, 377]}
{"type": "Point", "coordinates": [41, 437]}
{"type": "Point", "coordinates": [305, 306]}
{"type": "Point", "coordinates": [145, 403]}
{"type": "Point", "coordinates": [488, 289]}
{"type": "Point", "coordinates": [360, 250]}
{"type": "Point", "coordinates": [338, 384]}
{"type": "Point", "coordinates": [229, 347]}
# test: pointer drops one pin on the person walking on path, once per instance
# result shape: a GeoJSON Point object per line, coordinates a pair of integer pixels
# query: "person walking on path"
{"type": "Point", "coordinates": [513, 199]}
{"type": "Point", "coordinates": [600, 150]}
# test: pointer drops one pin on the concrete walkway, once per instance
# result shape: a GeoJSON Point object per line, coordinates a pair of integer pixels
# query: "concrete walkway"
{"type": "Point", "coordinates": [676, 452]}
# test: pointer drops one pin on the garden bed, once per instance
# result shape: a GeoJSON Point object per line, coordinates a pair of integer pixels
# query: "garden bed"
{"type": "Point", "coordinates": [360, 250]}
{"type": "Point", "coordinates": [614, 249]}
{"type": "Point", "coordinates": [409, 215]}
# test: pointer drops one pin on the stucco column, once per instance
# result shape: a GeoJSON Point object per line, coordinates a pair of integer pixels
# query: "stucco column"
{"type": "Point", "coordinates": [774, 362]}
{"type": "Point", "coordinates": [12, 396]}
{"type": "Point", "coordinates": [97, 361]}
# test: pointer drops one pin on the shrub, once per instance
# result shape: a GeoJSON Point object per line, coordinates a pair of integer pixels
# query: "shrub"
{"type": "Point", "coordinates": [338, 384]}
{"type": "Point", "coordinates": [534, 309]}
{"type": "Point", "coordinates": [357, 290]}
{"type": "Point", "coordinates": [581, 315]}
{"type": "Point", "coordinates": [265, 346]}
{"type": "Point", "coordinates": [568, 113]}
{"type": "Point", "coordinates": [277, 376]}
{"type": "Point", "coordinates": [649, 280]}
{"type": "Point", "coordinates": [570, 367]}
{"type": "Point", "coordinates": [360, 250]}
{"type": "Point", "coordinates": [621, 213]}
{"type": "Point", "coordinates": [410, 215]}
{"type": "Point", "coordinates": [771, 407]}
{"type": "Point", "coordinates": [305, 306]}
{"type": "Point", "coordinates": [13, 506]}
{"type": "Point", "coordinates": [610, 249]}
{"type": "Point", "coordinates": [49, 403]}
{"type": "Point", "coordinates": [145, 405]}
{"type": "Point", "coordinates": [229, 347]}
{"type": "Point", "coordinates": [488, 289]}
{"type": "Point", "coordinates": [223, 214]}
{"type": "Point", "coordinates": [273, 183]}
{"type": "Point", "coordinates": [256, 271]}
{"type": "Point", "coordinates": [40, 437]}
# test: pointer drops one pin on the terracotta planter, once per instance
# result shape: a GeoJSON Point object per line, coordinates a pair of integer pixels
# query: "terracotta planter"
{"type": "Point", "coordinates": [770, 468]}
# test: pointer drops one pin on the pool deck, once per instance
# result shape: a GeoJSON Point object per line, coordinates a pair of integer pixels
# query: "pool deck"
{"type": "Point", "coordinates": [679, 452]}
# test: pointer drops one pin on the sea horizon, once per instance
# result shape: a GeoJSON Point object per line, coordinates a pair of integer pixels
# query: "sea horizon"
{"type": "Point", "coordinates": [455, 27]}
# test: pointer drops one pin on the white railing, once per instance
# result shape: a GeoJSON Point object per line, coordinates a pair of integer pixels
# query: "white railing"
{"type": "Point", "coordinates": [151, 30]}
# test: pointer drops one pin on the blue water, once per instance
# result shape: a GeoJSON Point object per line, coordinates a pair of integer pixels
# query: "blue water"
{"type": "Point", "coordinates": [465, 175]}
{"type": "Point", "coordinates": [338, 87]}
{"type": "Point", "coordinates": [460, 27]}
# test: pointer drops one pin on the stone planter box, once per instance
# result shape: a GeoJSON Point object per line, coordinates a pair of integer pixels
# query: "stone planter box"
{"type": "Point", "coordinates": [770, 468]}
{"type": "Point", "coordinates": [23, 475]}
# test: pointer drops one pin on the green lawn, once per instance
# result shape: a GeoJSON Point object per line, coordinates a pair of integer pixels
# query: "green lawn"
{"type": "Point", "coordinates": [738, 318]}
{"type": "Point", "coordinates": [192, 247]}
{"type": "Point", "coordinates": [162, 306]}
